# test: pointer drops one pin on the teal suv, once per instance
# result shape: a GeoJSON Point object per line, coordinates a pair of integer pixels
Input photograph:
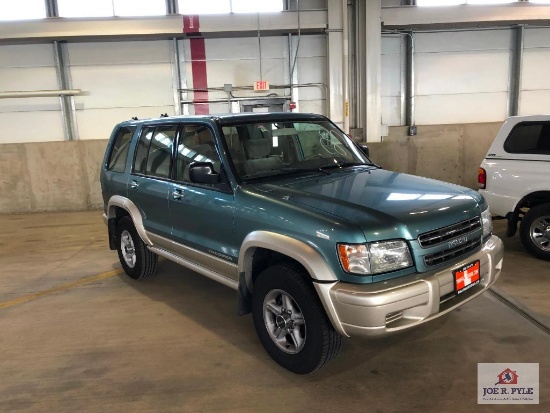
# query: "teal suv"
{"type": "Point", "coordinates": [319, 242]}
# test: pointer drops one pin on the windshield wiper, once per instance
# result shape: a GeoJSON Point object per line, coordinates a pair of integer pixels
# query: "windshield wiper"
{"type": "Point", "coordinates": [305, 170]}
{"type": "Point", "coordinates": [347, 164]}
{"type": "Point", "coordinates": [283, 173]}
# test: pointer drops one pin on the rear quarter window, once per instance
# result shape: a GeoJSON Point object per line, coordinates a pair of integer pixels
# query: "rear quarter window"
{"type": "Point", "coordinates": [529, 138]}
{"type": "Point", "coordinates": [119, 150]}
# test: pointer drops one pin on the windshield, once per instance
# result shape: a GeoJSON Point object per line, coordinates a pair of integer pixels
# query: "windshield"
{"type": "Point", "coordinates": [266, 149]}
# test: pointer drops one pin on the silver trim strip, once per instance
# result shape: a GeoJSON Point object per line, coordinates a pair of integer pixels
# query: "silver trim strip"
{"type": "Point", "coordinates": [222, 279]}
{"type": "Point", "coordinates": [202, 259]}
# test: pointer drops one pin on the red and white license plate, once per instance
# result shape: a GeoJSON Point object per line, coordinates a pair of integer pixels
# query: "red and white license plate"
{"type": "Point", "coordinates": [466, 277]}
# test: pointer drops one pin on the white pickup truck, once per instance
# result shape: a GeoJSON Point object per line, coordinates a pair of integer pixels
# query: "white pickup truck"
{"type": "Point", "coordinates": [514, 178]}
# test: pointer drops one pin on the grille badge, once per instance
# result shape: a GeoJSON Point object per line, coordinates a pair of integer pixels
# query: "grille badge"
{"type": "Point", "coordinates": [458, 241]}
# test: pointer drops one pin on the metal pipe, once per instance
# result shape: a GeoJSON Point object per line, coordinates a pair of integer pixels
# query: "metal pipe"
{"type": "Point", "coordinates": [516, 64]}
{"type": "Point", "coordinates": [68, 111]}
{"type": "Point", "coordinates": [360, 66]}
{"type": "Point", "coordinates": [39, 93]}
{"type": "Point", "coordinates": [188, 101]}
{"type": "Point", "coordinates": [51, 8]}
{"type": "Point", "coordinates": [345, 69]}
{"type": "Point", "coordinates": [176, 78]}
{"type": "Point", "coordinates": [352, 73]}
{"type": "Point", "coordinates": [409, 87]}
{"type": "Point", "coordinates": [221, 89]}
{"type": "Point", "coordinates": [260, 47]}
{"type": "Point", "coordinates": [171, 7]}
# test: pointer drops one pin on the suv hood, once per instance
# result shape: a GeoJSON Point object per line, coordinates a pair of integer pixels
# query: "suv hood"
{"type": "Point", "coordinates": [383, 204]}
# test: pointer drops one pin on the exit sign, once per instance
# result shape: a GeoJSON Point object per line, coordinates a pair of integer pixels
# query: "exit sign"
{"type": "Point", "coordinates": [261, 85]}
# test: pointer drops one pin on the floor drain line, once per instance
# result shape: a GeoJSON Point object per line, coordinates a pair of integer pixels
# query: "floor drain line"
{"type": "Point", "coordinates": [520, 311]}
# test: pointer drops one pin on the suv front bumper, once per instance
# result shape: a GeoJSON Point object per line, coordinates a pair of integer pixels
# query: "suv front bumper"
{"type": "Point", "coordinates": [383, 308]}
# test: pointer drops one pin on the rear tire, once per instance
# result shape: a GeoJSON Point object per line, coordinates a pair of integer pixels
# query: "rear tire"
{"type": "Point", "coordinates": [136, 259]}
{"type": "Point", "coordinates": [535, 231]}
{"type": "Point", "coordinates": [290, 320]}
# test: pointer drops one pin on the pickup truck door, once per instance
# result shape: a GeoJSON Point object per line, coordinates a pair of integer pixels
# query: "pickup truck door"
{"type": "Point", "coordinates": [202, 215]}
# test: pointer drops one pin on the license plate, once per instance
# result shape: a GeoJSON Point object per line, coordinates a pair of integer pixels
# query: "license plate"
{"type": "Point", "coordinates": [466, 277]}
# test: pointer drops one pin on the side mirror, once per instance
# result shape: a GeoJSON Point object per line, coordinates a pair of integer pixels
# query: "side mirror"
{"type": "Point", "coordinates": [203, 173]}
{"type": "Point", "coordinates": [365, 150]}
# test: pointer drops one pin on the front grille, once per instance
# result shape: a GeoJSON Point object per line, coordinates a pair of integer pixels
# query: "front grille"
{"type": "Point", "coordinates": [439, 236]}
{"type": "Point", "coordinates": [446, 255]}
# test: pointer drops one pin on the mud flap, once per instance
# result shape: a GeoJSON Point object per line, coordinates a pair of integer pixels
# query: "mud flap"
{"type": "Point", "coordinates": [512, 227]}
{"type": "Point", "coordinates": [111, 227]}
{"type": "Point", "coordinates": [245, 298]}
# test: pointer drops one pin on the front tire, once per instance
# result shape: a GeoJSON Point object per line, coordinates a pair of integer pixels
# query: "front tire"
{"type": "Point", "coordinates": [290, 320]}
{"type": "Point", "coordinates": [136, 259]}
{"type": "Point", "coordinates": [535, 231]}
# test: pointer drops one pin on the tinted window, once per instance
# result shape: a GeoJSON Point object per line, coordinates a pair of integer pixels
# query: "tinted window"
{"type": "Point", "coordinates": [529, 138]}
{"type": "Point", "coordinates": [154, 151]}
{"type": "Point", "coordinates": [119, 151]}
{"type": "Point", "coordinates": [195, 145]}
{"type": "Point", "coordinates": [140, 160]}
{"type": "Point", "coordinates": [159, 158]}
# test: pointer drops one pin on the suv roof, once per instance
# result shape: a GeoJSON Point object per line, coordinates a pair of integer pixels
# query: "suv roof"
{"type": "Point", "coordinates": [229, 118]}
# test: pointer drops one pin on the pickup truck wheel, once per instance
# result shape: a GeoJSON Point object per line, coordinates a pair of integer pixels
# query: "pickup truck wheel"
{"type": "Point", "coordinates": [290, 320]}
{"type": "Point", "coordinates": [535, 231]}
{"type": "Point", "coordinates": [138, 262]}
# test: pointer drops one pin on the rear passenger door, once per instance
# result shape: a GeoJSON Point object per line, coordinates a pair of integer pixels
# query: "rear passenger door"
{"type": "Point", "coordinates": [148, 186]}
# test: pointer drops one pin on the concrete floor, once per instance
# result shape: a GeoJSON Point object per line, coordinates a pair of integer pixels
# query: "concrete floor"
{"type": "Point", "coordinates": [76, 335]}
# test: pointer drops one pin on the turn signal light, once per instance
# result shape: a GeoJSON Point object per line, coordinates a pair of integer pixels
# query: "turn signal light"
{"type": "Point", "coordinates": [482, 178]}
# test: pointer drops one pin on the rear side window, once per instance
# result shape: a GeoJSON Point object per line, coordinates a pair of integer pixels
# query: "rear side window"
{"type": "Point", "coordinates": [119, 151]}
{"type": "Point", "coordinates": [154, 151]}
{"type": "Point", "coordinates": [529, 137]}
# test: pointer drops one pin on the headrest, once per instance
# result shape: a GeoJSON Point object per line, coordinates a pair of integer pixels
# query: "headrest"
{"type": "Point", "coordinates": [257, 148]}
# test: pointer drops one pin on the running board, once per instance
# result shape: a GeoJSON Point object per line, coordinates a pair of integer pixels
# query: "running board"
{"type": "Point", "coordinates": [222, 279]}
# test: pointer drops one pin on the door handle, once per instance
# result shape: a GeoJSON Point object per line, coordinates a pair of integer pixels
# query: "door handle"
{"type": "Point", "coordinates": [177, 194]}
{"type": "Point", "coordinates": [134, 184]}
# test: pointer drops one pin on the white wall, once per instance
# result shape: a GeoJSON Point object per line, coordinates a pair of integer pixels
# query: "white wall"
{"type": "Point", "coordinates": [535, 80]}
{"type": "Point", "coordinates": [237, 61]}
{"type": "Point", "coordinates": [462, 77]}
{"type": "Point", "coordinates": [391, 89]}
{"type": "Point", "coordinates": [23, 68]}
{"type": "Point", "coordinates": [121, 80]}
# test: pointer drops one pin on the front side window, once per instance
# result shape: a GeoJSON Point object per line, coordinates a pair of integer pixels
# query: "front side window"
{"type": "Point", "coordinates": [154, 151]}
{"type": "Point", "coordinates": [119, 151]}
{"type": "Point", "coordinates": [273, 148]}
{"type": "Point", "coordinates": [529, 138]}
{"type": "Point", "coordinates": [196, 144]}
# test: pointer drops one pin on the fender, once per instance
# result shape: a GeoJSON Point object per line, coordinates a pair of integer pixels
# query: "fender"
{"type": "Point", "coordinates": [322, 275]}
{"type": "Point", "coordinates": [132, 209]}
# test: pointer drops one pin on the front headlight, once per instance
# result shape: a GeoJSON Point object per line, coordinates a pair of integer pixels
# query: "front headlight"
{"type": "Point", "coordinates": [487, 222]}
{"type": "Point", "coordinates": [375, 257]}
